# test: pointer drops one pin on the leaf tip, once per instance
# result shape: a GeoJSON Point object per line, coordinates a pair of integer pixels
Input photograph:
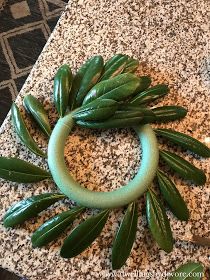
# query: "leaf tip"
{"type": "Point", "coordinates": [6, 223]}
{"type": "Point", "coordinates": [116, 265]}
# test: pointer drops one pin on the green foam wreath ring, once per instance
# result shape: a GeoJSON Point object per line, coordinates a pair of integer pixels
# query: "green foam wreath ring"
{"type": "Point", "coordinates": [94, 199]}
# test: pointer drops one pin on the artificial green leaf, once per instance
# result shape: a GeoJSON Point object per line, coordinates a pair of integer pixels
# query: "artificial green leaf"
{"type": "Point", "coordinates": [148, 115]}
{"type": "Point", "coordinates": [62, 87]}
{"type": "Point", "coordinates": [36, 109]}
{"type": "Point", "coordinates": [158, 222]}
{"type": "Point", "coordinates": [83, 235]}
{"type": "Point", "coordinates": [114, 66]}
{"type": "Point", "coordinates": [97, 110]}
{"type": "Point", "coordinates": [133, 107]}
{"type": "Point", "coordinates": [185, 169]}
{"type": "Point", "coordinates": [23, 133]}
{"type": "Point", "coordinates": [29, 208]}
{"type": "Point", "coordinates": [150, 94]}
{"type": "Point", "coordinates": [125, 237]}
{"type": "Point", "coordinates": [114, 59]}
{"type": "Point", "coordinates": [188, 271]}
{"type": "Point", "coordinates": [77, 80]}
{"type": "Point", "coordinates": [54, 227]}
{"type": "Point", "coordinates": [131, 65]}
{"type": "Point", "coordinates": [86, 77]}
{"type": "Point", "coordinates": [184, 141]}
{"type": "Point", "coordinates": [169, 113]}
{"type": "Point", "coordinates": [118, 88]}
{"type": "Point", "coordinates": [172, 196]}
{"type": "Point", "coordinates": [144, 83]}
{"type": "Point", "coordinates": [20, 171]}
{"type": "Point", "coordinates": [120, 119]}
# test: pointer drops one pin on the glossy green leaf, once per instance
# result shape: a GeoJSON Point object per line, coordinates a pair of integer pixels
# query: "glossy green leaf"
{"type": "Point", "coordinates": [184, 141]}
{"type": "Point", "coordinates": [158, 222]}
{"type": "Point", "coordinates": [54, 227]}
{"type": "Point", "coordinates": [86, 77]}
{"type": "Point", "coordinates": [120, 119]}
{"type": "Point", "coordinates": [133, 107]}
{"type": "Point", "coordinates": [114, 59]}
{"type": "Point", "coordinates": [62, 87]}
{"type": "Point", "coordinates": [188, 271]}
{"type": "Point", "coordinates": [144, 83]}
{"type": "Point", "coordinates": [29, 208]}
{"type": "Point", "coordinates": [114, 66]}
{"type": "Point", "coordinates": [97, 110]}
{"type": "Point", "coordinates": [118, 88]}
{"type": "Point", "coordinates": [148, 115]}
{"type": "Point", "coordinates": [150, 95]}
{"type": "Point", "coordinates": [131, 65]}
{"type": "Point", "coordinates": [184, 168]}
{"type": "Point", "coordinates": [77, 80]}
{"type": "Point", "coordinates": [23, 133]}
{"type": "Point", "coordinates": [83, 235]}
{"type": "Point", "coordinates": [169, 113]}
{"type": "Point", "coordinates": [20, 171]}
{"type": "Point", "coordinates": [172, 196]}
{"type": "Point", "coordinates": [36, 109]}
{"type": "Point", "coordinates": [125, 237]}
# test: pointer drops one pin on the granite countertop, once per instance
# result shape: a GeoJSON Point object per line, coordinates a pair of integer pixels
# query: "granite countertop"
{"type": "Point", "coordinates": [171, 41]}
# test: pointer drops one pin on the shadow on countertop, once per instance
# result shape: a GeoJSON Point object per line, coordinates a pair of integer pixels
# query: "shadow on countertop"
{"type": "Point", "coordinates": [6, 275]}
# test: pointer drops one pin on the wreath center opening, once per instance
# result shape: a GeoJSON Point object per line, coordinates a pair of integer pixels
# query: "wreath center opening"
{"type": "Point", "coordinates": [103, 160]}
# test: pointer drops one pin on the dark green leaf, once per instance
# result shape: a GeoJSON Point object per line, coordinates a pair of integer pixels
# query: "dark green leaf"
{"type": "Point", "coordinates": [114, 59]}
{"type": "Point", "coordinates": [158, 222]}
{"type": "Point", "coordinates": [150, 95]}
{"type": "Point", "coordinates": [23, 133]}
{"type": "Point", "coordinates": [36, 109]}
{"type": "Point", "coordinates": [185, 169]}
{"type": "Point", "coordinates": [131, 65]}
{"type": "Point", "coordinates": [29, 208]}
{"type": "Point", "coordinates": [99, 109]}
{"type": "Point", "coordinates": [54, 227]}
{"type": "Point", "coordinates": [83, 235]}
{"type": "Point", "coordinates": [169, 113]}
{"type": "Point", "coordinates": [17, 170]}
{"type": "Point", "coordinates": [118, 88]}
{"type": "Point", "coordinates": [133, 107]}
{"type": "Point", "coordinates": [119, 120]}
{"type": "Point", "coordinates": [148, 115]}
{"type": "Point", "coordinates": [187, 271]}
{"type": "Point", "coordinates": [172, 197]}
{"type": "Point", "coordinates": [125, 237]}
{"type": "Point", "coordinates": [87, 76]}
{"type": "Point", "coordinates": [184, 141]}
{"type": "Point", "coordinates": [114, 66]}
{"type": "Point", "coordinates": [62, 87]}
{"type": "Point", "coordinates": [144, 83]}
{"type": "Point", "coordinates": [77, 79]}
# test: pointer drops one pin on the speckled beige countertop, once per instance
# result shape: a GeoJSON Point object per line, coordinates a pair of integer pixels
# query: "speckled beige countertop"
{"type": "Point", "coordinates": [170, 38]}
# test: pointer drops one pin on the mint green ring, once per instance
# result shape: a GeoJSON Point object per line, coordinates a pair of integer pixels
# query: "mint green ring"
{"type": "Point", "coordinates": [102, 200]}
